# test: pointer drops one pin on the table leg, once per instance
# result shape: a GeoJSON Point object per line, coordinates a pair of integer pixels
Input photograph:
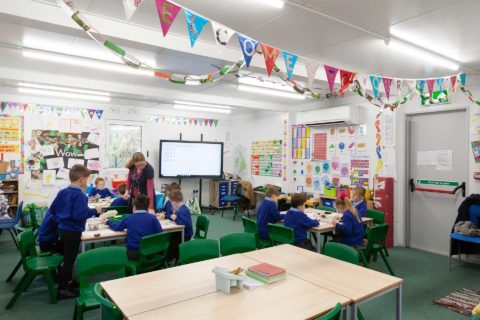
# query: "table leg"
{"type": "Point", "coordinates": [353, 311]}
{"type": "Point", "coordinates": [183, 235]}
{"type": "Point", "coordinates": [398, 292]}
{"type": "Point", "coordinates": [344, 312]}
{"type": "Point", "coordinates": [83, 247]}
{"type": "Point", "coordinates": [318, 242]}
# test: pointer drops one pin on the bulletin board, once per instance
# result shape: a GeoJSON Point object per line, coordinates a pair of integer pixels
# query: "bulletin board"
{"type": "Point", "coordinates": [301, 142]}
{"type": "Point", "coordinates": [266, 158]}
{"type": "Point", "coordinates": [11, 147]}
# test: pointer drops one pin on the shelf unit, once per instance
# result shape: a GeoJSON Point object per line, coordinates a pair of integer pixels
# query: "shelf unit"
{"type": "Point", "coordinates": [9, 189]}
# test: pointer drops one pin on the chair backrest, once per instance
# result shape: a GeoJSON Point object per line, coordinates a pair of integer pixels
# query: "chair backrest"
{"type": "Point", "coordinates": [18, 213]}
{"type": "Point", "coordinates": [474, 212]}
{"type": "Point", "coordinates": [341, 252]}
{"type": "Point", "coordinates": [280, 234]}
{"type": "Point", "coordinates": [109, 311]}
{"type": "Point", "coordinates": [249, 225]}
{"type": "Point", "coordinates": [377, 216]}
{"type": "Point", "coordinates": [201, 226]}
{"type": "Point", "coordinates": [27, 245]}
{"type": "Point", "coordinates": [377, 235]}
{"type": "Point", "coordinates": [237, 243]}
{"type": "Point", "coordinates": [33, 217]}
{"type": "Point", "coordinates": [198, 250]}
{"type": "Point", "coordinates": [324, 208]}
{"type": "Point", "coordinates": [333, 314]}
{"type": "Point", "coordinates": [101, 261]}
{"type": "Point", "coordinates": [120, 209]}
{"type": "Point", "coordinates": [154, 249]}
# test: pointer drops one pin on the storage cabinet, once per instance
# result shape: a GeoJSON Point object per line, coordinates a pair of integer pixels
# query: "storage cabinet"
{"type": "Point", "coordinates": [9, 189]}
{"type": "Point", "coordinates": [220, 189]}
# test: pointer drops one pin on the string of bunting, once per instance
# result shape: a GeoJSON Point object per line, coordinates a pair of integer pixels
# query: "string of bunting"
{"type": "Point", "coordinates": [40, 109]}
{"type": "Point", "coordinates": [179, 120]}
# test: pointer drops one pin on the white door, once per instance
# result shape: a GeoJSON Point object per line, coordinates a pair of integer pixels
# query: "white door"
{"type": "Point", "coordinates": [123, 139]}
{"type": "Point", "coordinates": [434, 140]}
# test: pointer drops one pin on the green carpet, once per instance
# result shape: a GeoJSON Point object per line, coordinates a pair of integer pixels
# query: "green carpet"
{"type": "Point", "coordinates": [426, 278]}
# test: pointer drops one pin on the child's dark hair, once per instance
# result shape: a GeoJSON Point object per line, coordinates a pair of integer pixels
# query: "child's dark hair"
{"type": "Point", "coordinates": [176, 196]}
{"type": "Point", "coordinates": [298, 199]}
{"type": "Point", "coordinates": [98, 180]}
{"type": "Point", "coordinates": [122, 188]}
{"type": "Point", "coordinates": [361, 191]}
{"type": "Point", "coordinates": [78, 171]}
{"type": "Point", "coordinates": [271, 191]}
{"type": "Point", "coordinates": [141, 202]}
{"type": "Point", "coordinates": [173, 186]}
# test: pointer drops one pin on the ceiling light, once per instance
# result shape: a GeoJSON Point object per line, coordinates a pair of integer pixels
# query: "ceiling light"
{"type": "Point", "coordinates": [417, 53]}
{"type": "Point", "coordinates": [277, 93]}
{"type": "Point", "coordinates": [201, 104]}
{"type": "Point", "coordinates": [85, 62]}
{"type": "Point", "coordinates": [65, 89]}
{"type": "Point", "coordinates": [62, 94]}
{"type": "Point", "coordinates": [264, 84]}
{"type": "Point", "coordinates": [272, 3]}
{"type": "Point", "coordinates": [205, 109]}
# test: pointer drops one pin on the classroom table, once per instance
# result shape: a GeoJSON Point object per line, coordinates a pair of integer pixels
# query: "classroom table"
{"type": "Point", "coordinates": [187, 292]}
{"type": "Point", "coordinates": [357, 283]}
{"type": "Point", "coordinates": [104, 233]}
{"type": "Point", "coordinates": [104, 203]}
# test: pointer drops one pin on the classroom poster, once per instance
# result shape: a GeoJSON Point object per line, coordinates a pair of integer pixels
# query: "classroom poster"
{"type": "Point", "coordinates": [342, 147]}
{"type": "Point", "coordinates": [359, 167]}
{"type": "Point", "coordinates": [266, 158]}
{"type": "Point", "coordinates": [300, 142]}
{"type": "Point", "coordinates": [11, 147]}
{"type": "Point", "coordinates": [326, 166]}
{"type": "Point", "coordinates": [476, 150]}
{"type": "Point", "coordinates": [332, 148]}
{"type": "Point", "coordinates": [320, 146]}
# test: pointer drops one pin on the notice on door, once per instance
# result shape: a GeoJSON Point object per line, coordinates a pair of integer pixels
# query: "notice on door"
{"type": "Point", "coordinates": [441, 159]}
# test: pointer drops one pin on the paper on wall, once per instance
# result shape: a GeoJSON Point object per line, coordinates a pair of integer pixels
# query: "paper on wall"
{"type": "Point", "coordinates": [64, 125]}
{"type": "Point", "coordinates": [342, 147]}
{"type": "Point", "coordinates": [389, 168]}
{"type": "Point", "coordinates": [332, 147]}
{"type": "Point", "coordinates": [361, 147]}
{"type": "Point", "coordinates": [55, 163]}
{"type": "Point", "coordinates": [94, 165]}
{"type": "Point", "coordinates": [49, 177]}
{"type": "Point", "coordinates": [76, 126]}
{"type": "Point", "coordinates": [362, 131]}
{"type": "Point", "coordinates": [46, 150]}
{"type": "Point", "coordinates": [94, 138]}
{"type": "Point", "coordinates": [92, 154]}
{"type": "Point", "coordinates": [335, 163]}
{"type": "Point", "coordinates": [344, 170]}
{"type": "Point", "coordinates": [427, 158]}
{"type": "Point", "coordinates": [444, 158]}
{"type": "Point", "coordinates": [72, 162]}
{"type": "Point", "coordinates": [389, 130]}
{"type": "Point", "coordinates": [63, 174]}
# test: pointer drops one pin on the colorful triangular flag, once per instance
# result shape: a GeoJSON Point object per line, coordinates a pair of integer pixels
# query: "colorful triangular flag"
{"type": "Point", "coordinates": [463, 78]}
{"type": "Point", "coordinates": [4, 105]}
{"type": "Point", "coordinates": [248, 46]}
{"type": "Point", "coordinates": [222, 33]}
{"type": "Point", "coordinates": [130, 7]}
{"type": "Point", "coordinates": [91, 113]}
{"type": "Point", "coordinates": [311, 66]}
{"type": "Point", "coordinates": [430, 84]}
{"type": "Point", "coordinates": [398, 84]}
{"type": "Point", "coordinates": [387, 84]}
{"type": "Point", "coordinates": [331, 75]}
{"type": "Point", "coordinates": [346, 79]}
{"type": "Point", "coordinates": [167, 12]}
{"type": "Point", "coordinates": [195, 25]}
{"type": "Point", "coordinates": [290, 61]}
{"type": "Point", "coordinates": [99, 113]}
{"type": "Point", "coordinates": [375, 80]}
{"type": "Point", "coordinates": [421, 85]}
{"type": "Point", "coordinates": [210, 122]}
{"type": "Point", "coordinates": [439, 82]}
{"type": "Point", "coordinates": [270, 54]}
{"type": "Point", "coordinates": [453, 80]}
{"type": "Point", "coordinates": [215, 122]}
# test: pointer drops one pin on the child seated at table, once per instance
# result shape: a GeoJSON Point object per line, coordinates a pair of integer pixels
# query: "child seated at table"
{"type": "Point", "coordinates": [299, 221]}
{"type": "Point", "coordinates": [121, 201]}
{"type": "Point", "coordinates": [350, 226]}
{"type": "Point", "coordinates": [138, 225]}
{"type": "Point", "coordinates": [359, 202]}
{"type": "Point", "coordinates": [99, 191]}
{"type": "Point", "coordinates": [168, 208]}
{"type": "Point", "coordinates": [268, 212]}
{"type": "Point", "coordinates": [181, 216]}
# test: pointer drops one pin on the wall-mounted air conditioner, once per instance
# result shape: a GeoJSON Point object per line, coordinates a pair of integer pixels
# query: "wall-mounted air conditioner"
{"type": "Point", "coordinates": [337, 116]}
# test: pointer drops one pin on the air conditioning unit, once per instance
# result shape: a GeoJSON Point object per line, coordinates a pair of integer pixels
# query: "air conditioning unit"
{"type": "Point", "coordinates": [338, 116]}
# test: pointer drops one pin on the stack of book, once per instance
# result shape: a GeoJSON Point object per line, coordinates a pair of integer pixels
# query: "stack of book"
{"type": "Point", "coordinates": [266, 273]}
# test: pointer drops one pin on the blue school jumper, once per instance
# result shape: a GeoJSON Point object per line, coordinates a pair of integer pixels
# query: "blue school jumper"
{"type": "Point", "coordinates": [351, 230]}
{"type": "Point", "coordinates": [184, 218]}
{"type": "Point", "coordinates": [103, 193]}
{"type": "Point", "coordinates": [168, 208]}
{"type": "Point", "coordinates": [361, 208]}
{"type": "Point", "coordinates": [48, 231]}
{"type": "Point", "coordinates": [267, 213]}
{"type": "Point", "coordinates": [138, 225]}
{"type": "Point", "coordinates": [119, 202]}
{"type": "Point", "coordinates": [300, 223]}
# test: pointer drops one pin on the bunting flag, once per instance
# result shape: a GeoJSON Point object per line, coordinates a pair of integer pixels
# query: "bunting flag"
{"type": "Point", "coordinates": [99, 113]}
{"type": "Point", "coordinates": [331, 75]}
{"type": "Point", "coordinates": [430, 84]}
{"type": "Point", "coordinates": [439, 82]}
{"type": "Point", "coordinates": [387, 83]}
{"type": "Point", "coordinates": [248, 46]}
{"type": "Point", "coordinates": [346, 79]}
{"type": "Point", "coordinates": [270, 54]}
{"type": "Point", "coordinates": [59, 111]}
{"type": "Point", "coordinates": [311, 66]}
{"type": "Point", "coordinates": [4, 105]}
{"type": "Point", "coordinates": [421, 85]}
{"type": "Point", "coordinates": [463, 78]}
{"type": "Point", "coordinates": [215, 122]}
{"type": "Point", "coordinates": [398, 84]}
{"type": "Point", "coordinates": [130, 7]}
{"type": "Point", "coordinates": [221, 33]}
{"type": "Point", "coordinates": [210, 122]}
{"type": "Point", "coordinates": [453, 80]}
{"type": "Point", "coordinates": [91, 113]}
{"type": "Point", "coordinates": [167, 12]}
{"type": "Point", "coordinates": [195, 26]}
{"type": "Point", "coordinates": [375, 80]}
{"type": "Point", "coordinates": [290, 61]}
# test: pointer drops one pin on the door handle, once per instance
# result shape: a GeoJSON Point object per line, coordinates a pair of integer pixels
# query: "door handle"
{"type": "Point", "coordinates": [413, 188]}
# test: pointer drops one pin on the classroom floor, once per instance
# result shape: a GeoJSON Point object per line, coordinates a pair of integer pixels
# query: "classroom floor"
{"type": "Point", "coordinates": [426, 278]}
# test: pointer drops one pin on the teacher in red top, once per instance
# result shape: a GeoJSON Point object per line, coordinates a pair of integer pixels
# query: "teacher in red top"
{"type": "Point", "coordinates": [141, 180]}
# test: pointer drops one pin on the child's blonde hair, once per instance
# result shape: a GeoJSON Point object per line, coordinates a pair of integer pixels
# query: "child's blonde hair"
{"type": "Point", "coordinates": [344, 201]}
{"type": "Point", "coordinates": [361, 191]}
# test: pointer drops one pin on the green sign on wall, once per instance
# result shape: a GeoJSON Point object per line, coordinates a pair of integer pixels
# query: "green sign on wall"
{"type": "Point", "coordinates": [439, 183]}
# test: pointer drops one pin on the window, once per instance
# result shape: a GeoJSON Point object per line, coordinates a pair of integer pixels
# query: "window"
{"type": "Point", "coordinates": [123, 140]}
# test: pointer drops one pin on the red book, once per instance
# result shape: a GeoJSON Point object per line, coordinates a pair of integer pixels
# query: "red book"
{"type": "Point", "coordinates": [266, 269]}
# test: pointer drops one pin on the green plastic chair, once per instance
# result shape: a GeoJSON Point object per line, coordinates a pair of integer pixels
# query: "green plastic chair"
{"type": "Point", "coordinates": [34, 265]}
{"type": "Point", "coordinates": [329, 209]}
{"type": "Point", "coordinates": [97, 262]}
{"type": "Point", "coordinates": [376, 245]}
{"type": "Point", "coordinates": [108, 310]}
{"type": "Point", "coordinates": [280, 234]}
{"type": "Point", "coordinates": [378, 218]}
{"type": "Point", "coordinates": [476, 317]}
{"type": "Point", "coordinates": [237, 243]}
{"type": "Point", "coordinates": [250, 226]}
{"type": "Point", "coordinates": [120, 209]}
{"type": "Point", "coordinates": [198, 250]}
{"type": "Point", "coordinates": [333, 314]}
{"type": "Point", "coordinates": [153, 252]}
{"type": "Point", "coordinates": [201, 226]}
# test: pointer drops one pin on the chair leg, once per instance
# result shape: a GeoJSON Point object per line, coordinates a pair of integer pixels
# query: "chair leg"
{"type": "Point", "coordinates": [459, 254]}
{"type": "Point", "coordinates": [390, 270]}
{"type": "Point", "coordinates": [14, 238]}
{"type": "Point", "coordinates": [51, 286]}
{"type": "Point", "coordinates": [386, 251]}
{"type": "Point", "coordinates": [364, 261]}
{"type": "Point", "coordinates": [360, 315]}
{"type": "Point", "coordinates": [325, 240]}
{"type": "Point", "coordinates": [14, 271]}
{"type": "Point", "coordinates": [22, 286]}
{"type": "Point", "coordinates": [79, 311]}
{"type": "Point", "coordinates": [21, 280]}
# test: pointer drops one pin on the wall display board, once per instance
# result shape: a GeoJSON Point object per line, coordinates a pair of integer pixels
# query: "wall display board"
{"type": "Point", "coordinates": [266, 158]}
{"type": "Point", "coordinates": [301, 142]}
{"type": "Point", "coordinates": [11, 147]}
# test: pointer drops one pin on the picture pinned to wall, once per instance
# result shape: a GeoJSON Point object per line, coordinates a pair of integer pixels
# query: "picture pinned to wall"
{"type": "Point", "coordinates": [309, 167]}
{"type": "Point", "coordinates": [362, 131]}
{"type": "Point", "coordinates": [266, 158]}
{"type": "Point", "coordinates": [476, 150]}
{"type": "Point", "coordinates": [326, 166]}
{"type": "Point", "coordinates": [351, 146]}
{"type": "Point", "coordinates": [320, 146]}
{"type": "Point", "coordinates": [342, 132]}
{"type": "Point", "coordinates": [12, 154]}
{"type": "Point", "coordinates": [317, 169]}
{"type": "Point", "coordinates": [333, 131]}
{"type": "Point", "coordinates": [344, 170]}
{"type": "Point", "coordinates": [332, 148]}
{"type": "Point", "coordinates": [308, 181]}
{"type": "Point", "coordinates": [361, 148]}
{"type": "Point", "coordinates": [341, 147]}
{"type": "Point", "coordinates": [49, 177]}
{"type": "Point", "coordinates": [299, 188]}
{"type": "Point", "coordinates": [317, 184]}
{"type": "Point", "coordinates": [359, 167]}
{"type": "Point", "coordinates": [300, 142]}
{"type": "Point", "coordinates": [475, 124]}
{"type": "Point", "coordinates": [335, 163]}
{"type": "Point", "coordinates": [325, 181]}
{"type": "Point", "coordinates": [351, 131]}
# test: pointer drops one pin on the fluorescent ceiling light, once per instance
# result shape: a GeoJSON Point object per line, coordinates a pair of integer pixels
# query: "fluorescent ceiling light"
{"type": "Point", "coordinates": [264, 84]}
{"type": "Point", "coordinates": [277, 93]}
{"type": "Point", "coordinates": [201, 104]}
{"type": "Point", "coordinates": [272, 3]}
{"type": "Point", "coordinates": [85, 62]}
{"type": "Point", "coordinates": [205, 109]}
{"type": "Point", "coordinates": [421, 54]}
{"type": "Point", "coordinates": [62, 94]}
{"type": "Point", "coordinates": [65, 89]}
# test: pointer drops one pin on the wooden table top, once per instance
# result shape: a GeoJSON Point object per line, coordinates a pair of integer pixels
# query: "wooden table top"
{"type": "Point", "coordinates": [354, 282]}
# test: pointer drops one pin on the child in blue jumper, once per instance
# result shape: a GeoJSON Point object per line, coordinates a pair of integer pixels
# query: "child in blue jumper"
{"type": "Point", "coordinates": [99, 190]}
{"type": "Point", "coordinates": [181, 215]}
{"type": "Point", "coordinates": [300, 222]}
{"type": "Point", "coordinates": [358, 200]}
{"type": "Point", "coordinates": [168, 207]}
{"type": "Point", "coordinates": [138, 225]}
{"type": "Point", "coordinates": [350, 226]}
{"type": "Point", "coordinates": [268, 212]}
{"type": "Point", "coordinates": [48, 234]}
{"type": "Point", "coordinates": [121, 201]}
{"type": "Point", "coordinates": [71, 210]}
